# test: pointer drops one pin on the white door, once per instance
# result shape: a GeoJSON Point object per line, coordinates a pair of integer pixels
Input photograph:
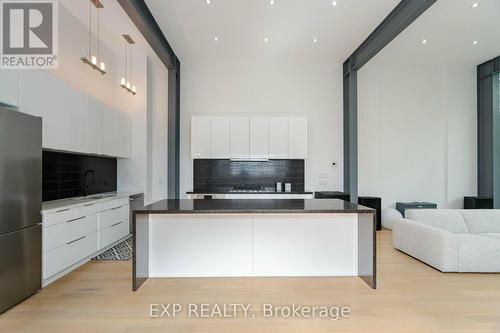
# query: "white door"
{"type": "Point", "coordinates": [240, 137]}
{"type": "Point", "coordinates": [278, 137]}
{"type": "Point", "coordinates": [9, 86]}
{"type": "Point", "coordinates": [259, 137]}
{"type": "Point", "coordinates": [108, 146]}
{"type": "Point", "coordinates": [220, 137]}
{"type": "Point", "coordinates": [297, 134]}
{"type": "Point", "coordinates": [200, 137]}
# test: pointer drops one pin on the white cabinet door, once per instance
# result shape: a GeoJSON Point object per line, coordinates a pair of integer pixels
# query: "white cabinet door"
{"type": "Point", "coordinates": [9, 86]}
{"type": "Point", "coordinates": [220, 137]}
{"type": "Point", "coordinates": [297, 134]}
{"type": "Point", "coordinates": [278, 137]}
{"type": "Point", "coordinates": [240, 137]}
{"type": "Point", "coordinates": [94, 126]}
{"type": "Point", "coordinates": [122, 134]}
{"type": "Point", "coordinates": [259, 137]}
{"type": "Point", "coordinates": [108, 142]}
{"type": "Point", "coordinates": [200, 137]}
{"type": "Point", "coordinates": [44, 95]}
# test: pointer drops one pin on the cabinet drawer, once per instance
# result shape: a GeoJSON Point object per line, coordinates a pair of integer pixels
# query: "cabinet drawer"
{"type": "Point", "coordinates": [64, 256]}
{"type": "Point", "coordinates": [113, 204]}
{"type": "Point", "coordinates": [113, 216]}
{"type": "Point", "coordinates": [87, 209]}
{"type": "Point", "coordinates": [62, 233]}
{"type": "Point", "coordinates": [113, 233]}
{"type": "Point", "coordinates": [59, 216]}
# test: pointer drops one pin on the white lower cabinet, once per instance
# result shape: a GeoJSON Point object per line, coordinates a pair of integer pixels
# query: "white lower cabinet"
{"type": "Point", "coordinates": [72, 235]}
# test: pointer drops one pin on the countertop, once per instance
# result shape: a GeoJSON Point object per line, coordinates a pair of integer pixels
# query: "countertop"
{"type": "Point", "coordinates": [253, 206]}
{"type": "Point", "coordinates": [51, 206]}
{"type": "Point", "coordinates": [243, 192]}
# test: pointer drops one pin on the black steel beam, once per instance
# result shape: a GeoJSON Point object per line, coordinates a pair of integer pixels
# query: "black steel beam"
{"type": "Point", "coordinates": [406, 12]}
{"type": "Point", "coordinates": [140, 14]}
{"type": "Point", "coordinates": [488, 131]}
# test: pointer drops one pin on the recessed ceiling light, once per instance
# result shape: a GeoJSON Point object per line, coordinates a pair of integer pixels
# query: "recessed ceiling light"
{"type": "Point", "coordinates": [216, 39]}
{"type": "Point", "coordinates": [334, 3]}
{"type": "Point", "coordinates": [271, 2]}
{"type": "Point", "coordinates": [315, 40]}
{"type": "Point", "coordinates": [208, 2]}
{"type": "Point", "coordinates": [475, 42]}
{"type": "Point", "coordinates": [475, 5]}
{"type": "Point", "coordinates": [424, 41]}
{"type": "Point", "coordinates": [266, 39]}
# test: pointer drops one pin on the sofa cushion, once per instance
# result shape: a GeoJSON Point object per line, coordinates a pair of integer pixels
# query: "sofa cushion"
{"type": "Point", "coordinates": [478, 254]}
{"type": "Point", "coordinates": [496, 236]}
{"type": "Point", "coordinates": [447, 219]}
{"type": "Point", "coordinates": [481, 221]}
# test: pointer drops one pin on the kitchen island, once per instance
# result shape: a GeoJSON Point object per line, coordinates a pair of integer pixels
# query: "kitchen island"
{"type": "Point", "coordinates": [253, 237]}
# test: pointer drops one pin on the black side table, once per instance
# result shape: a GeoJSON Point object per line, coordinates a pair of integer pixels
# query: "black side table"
{"type": "Point", "coordinates": [403, 206]}
{"type": "Point", "coordinates": [332, 195]}
{"type": "Point", "coordinates": [478, 203]}
{"type": "Point", "coordinates": [375, 203]}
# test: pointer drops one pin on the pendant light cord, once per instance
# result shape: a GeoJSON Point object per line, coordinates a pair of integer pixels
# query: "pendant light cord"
{"type": "Point", "coordinates": [90, 30]}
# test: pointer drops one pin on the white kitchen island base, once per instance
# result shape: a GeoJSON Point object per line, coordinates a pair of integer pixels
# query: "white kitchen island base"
{"type": "Point", "coordinates": [251, 238]}
{"type": "Point", "coordinates": [253, 245]}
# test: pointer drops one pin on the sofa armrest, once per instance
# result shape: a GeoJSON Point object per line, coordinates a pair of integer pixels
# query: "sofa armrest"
{"type": "Point", "coordinates": [434, 246]}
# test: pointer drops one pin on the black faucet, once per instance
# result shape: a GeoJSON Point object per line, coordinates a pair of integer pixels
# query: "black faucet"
{"type": "Point", "coordinates": [85, 185]}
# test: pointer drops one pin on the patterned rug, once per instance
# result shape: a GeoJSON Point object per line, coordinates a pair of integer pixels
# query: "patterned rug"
{"type": "Point", "coordinates": [121, 251]}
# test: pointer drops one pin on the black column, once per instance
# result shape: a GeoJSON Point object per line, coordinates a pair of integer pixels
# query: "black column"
{"type": "Point", "coordinates": [488, 131]}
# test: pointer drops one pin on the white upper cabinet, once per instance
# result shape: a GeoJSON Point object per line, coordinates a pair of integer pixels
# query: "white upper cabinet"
{"type": "Point", "coordinates": [220, 137]}
{"type": "Point", "coordinates": [240, 137]}
{"type": "Point", "coordinates": [259, 137]}
{"type": "Point", "coordinates": [94, 126]}
{"type": "Point", "coordinates": [200, 137]}
{"type": "Point", "coordinates": [297, 134]}
{"type": "Point", "coordinates": [108, 141]}
{"type": "Point", "coordinates": [122, 135]}
{"type": "Point", "coordinates": [9, 86]}
{"type": "Point", "coordinates": [278, 137]}
{"type": "Point", "coordinates": [73, 121]}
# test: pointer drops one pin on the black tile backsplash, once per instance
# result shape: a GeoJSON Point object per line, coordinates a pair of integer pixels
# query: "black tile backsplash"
{"type": "Point", "coordinates": [63, 175]}
{"type": "Point", "coordinates": [222, 175]}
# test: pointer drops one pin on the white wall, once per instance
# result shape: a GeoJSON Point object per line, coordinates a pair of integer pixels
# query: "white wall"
{"type": "Point", "coordinates": [314, 91]}
{"type": "Point", "coordinates": [417, 132]}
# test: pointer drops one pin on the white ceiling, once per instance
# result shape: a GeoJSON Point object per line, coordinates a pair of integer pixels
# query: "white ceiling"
{"type": "Point", "coordinates": [450, 28]}
{"type": "Point", "coordinates": [290, 25]}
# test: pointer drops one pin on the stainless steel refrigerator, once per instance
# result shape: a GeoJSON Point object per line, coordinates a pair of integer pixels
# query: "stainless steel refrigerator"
{"type": "Point", "coordinates": [20, 206]}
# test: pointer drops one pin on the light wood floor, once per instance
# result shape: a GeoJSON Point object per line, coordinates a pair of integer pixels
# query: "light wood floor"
{"type": "Point", "coordinates": [411, 297]}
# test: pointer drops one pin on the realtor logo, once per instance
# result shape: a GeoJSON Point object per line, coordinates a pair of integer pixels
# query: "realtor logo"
{"type": "Point", "coordinates": [29, 34]}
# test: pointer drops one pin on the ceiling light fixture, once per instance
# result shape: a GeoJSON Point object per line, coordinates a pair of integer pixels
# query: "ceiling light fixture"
{"type": "Point", "coordinates": [125, 81]}
{"type": "Point", "coordinates": [208, 2]}
{"type": "Point", "coordinates": [315, 40]}
{"type": "Point", "coordinates": [90, 59]}
{"type": "Point", "coordinates": [271, 2]}
{"type": "Point", "coordinates": [216, 39]}
{"type": "Point", "coordinates": [475, 42]}
{"type": "Point", "coordinates": [334, 3]}
{"type": "Point", "coordinates": [424, 41]}
{"type": "Point", "coordinates": [475, 5]}
{"type": "Point", "coordinates": [266, 39]}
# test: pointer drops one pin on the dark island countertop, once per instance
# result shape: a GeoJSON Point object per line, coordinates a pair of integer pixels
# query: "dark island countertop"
{"type": "Point", "coordinates": [253, 206]}
{"type": "Point", "coordinates": [248, 192]}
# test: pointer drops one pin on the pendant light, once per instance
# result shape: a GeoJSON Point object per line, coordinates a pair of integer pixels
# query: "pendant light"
{"type": "Point", "coordinates": [126, 81]}
{"type": "Point", "coordinates": [90, 59]}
